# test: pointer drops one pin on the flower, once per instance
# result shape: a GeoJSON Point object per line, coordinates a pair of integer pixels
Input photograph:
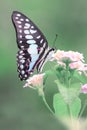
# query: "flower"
{"type": "Point", "coordinates": [73, 56]}
{"type": "Point", "coordinates": [58, 55]}
{"type": "Point", "coordinates": [34, 81]}
{"type": "Point", "coordinates": [84, 88]}
{"type": "Point", "coordinates": [75, 60]}
{"type": "Point", "coordinates": [62, 64]}
{"type": "Point", "coordinates": [78, 65]}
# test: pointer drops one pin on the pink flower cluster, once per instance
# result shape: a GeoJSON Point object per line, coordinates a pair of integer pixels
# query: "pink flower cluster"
{"type": "Point", "coordinates": [76, 58]}
{"type": "Point", "coordinates": [73, 56]}
{"type": "Point", "coordinates": [84, 88]}
{"type": "Point", "coordinates": [34, 81]}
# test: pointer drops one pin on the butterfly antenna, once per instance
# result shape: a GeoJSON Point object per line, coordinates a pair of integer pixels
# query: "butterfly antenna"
{"type": "Point", "coordinates": [54, 42]}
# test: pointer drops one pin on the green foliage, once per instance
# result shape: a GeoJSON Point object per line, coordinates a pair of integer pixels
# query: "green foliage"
{"type": "Point", "coordinates": [69, 94]}
{"type": "Point", "coordinates": [62, 109]}
{"type": "Point", "coordinates": [20, 108]}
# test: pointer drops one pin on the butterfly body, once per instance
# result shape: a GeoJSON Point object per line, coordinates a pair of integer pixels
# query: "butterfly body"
{"type": "Point", "coordinates": [33, 47]}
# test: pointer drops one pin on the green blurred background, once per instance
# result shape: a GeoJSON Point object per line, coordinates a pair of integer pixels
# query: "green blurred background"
{"type": "Point", "coordinates": [23, 109]}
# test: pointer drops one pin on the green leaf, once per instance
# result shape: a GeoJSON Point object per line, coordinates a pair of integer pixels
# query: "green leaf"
{"type": "Point", "coordinates": [68, 94]}
{"type": "Point", "coordinates": [75, 107]}
{"type": "Point", "coordinates": [59, 105]}
{"type": "Point", "coordinates": [63, 109]}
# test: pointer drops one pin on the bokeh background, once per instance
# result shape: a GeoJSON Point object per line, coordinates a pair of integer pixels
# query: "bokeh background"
{"type": "Point", "coordinates": [23, 109]}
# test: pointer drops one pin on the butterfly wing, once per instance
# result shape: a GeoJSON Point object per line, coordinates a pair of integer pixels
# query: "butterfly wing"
{"type": "Point", "coordinates": [27, 32]}
{"type": "Point", "coordinates": [46, 57]}
{"type": "Point", "coordinates": [31, 42]}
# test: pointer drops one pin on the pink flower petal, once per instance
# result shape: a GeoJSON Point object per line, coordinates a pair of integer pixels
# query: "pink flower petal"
{"type": "Point", "coordinates": [36, 80]}
{"type": "Point", "coordinates": [84, 88]}
{"type": "Point", "coordinates": [73, 56]}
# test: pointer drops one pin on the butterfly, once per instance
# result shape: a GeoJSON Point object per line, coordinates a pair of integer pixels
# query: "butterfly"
{"type": "Point", "coordinates": [34, 51]}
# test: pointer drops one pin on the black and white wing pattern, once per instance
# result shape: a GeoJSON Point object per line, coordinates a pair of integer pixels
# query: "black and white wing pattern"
{"type": "Point", "coordinates": [33, 47]}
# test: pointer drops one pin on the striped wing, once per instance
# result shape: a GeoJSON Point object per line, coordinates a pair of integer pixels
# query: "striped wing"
{"type": "Point", "coordinates": [32, 45]}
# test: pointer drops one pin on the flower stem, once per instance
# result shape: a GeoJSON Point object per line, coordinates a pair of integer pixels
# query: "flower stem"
{"type": "Point", "coordinates": [69, 110]}
{"type": "Point", "coordinates": [47, 105]}
{"type": "Point", "coordinates": [70, 114]}
{"type": "Point", "coordinates": [84, 106]}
